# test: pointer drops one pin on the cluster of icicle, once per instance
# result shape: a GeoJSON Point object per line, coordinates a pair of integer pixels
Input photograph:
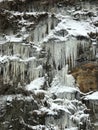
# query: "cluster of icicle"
{"type": "Point", "coordinates": [19, 61]}
{"type": "Point", "coordinates": [67, 52]}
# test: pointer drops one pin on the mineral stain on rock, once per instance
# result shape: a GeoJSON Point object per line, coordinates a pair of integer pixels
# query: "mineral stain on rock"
{"type": "Point", "coordinates": [87, 77]}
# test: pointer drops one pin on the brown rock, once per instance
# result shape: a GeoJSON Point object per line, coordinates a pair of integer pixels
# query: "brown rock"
{"type": "Point", "coordinates": [87, 77]}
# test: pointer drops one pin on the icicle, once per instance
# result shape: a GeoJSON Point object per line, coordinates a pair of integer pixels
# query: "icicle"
{"type": "Point", "coordinates": [4, 74]}
{"type": "Point", "coordinates": [0, 49]}
{"type": "Point", "coordinates": [64, 73]}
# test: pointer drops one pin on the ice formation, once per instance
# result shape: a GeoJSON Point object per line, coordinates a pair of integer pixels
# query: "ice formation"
{"type": "Point", "coordinates": [38, 60]}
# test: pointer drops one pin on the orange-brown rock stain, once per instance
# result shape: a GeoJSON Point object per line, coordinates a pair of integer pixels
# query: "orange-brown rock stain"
{"type": "Point", "coordinates": [86, 77]}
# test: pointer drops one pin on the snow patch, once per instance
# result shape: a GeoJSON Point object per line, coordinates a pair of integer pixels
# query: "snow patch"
{"type": "Point", "coordinates": [36, 84]}
{"type": "Point", "coordinates": [93, 96]}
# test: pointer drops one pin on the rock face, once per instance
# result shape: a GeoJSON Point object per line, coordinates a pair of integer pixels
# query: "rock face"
{"type": "Point", "coordinates": [91, 102]}
{"type": "Point", "coordinates": [41, 42]}
{"type": "Point", "coordinates": [21, 56]}
{"type": "Point", "coordinates": [13, 115]}
{"type": "Point", "coordinates": [87, 77]}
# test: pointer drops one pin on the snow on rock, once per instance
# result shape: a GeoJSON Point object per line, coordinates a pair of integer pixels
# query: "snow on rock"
{"type": "Point", "coordinates": [64, 100]}
{"type": "Point", "coordinates": [91, 101]}
{"type": "Point", "coordinates": [10, 98]}
{"type": "Point", "coordinates": [93, 96]}
{"type": "Point", "coordinates": [76, 27]}
{"type": "Point", "coordinates": [65, 41]}
{"type": "Point", "coordinates": [13, 39]}
{"type": "Point", "coordinates": [35, 84]}
{"type": "Point", "coordinates": [56, 116]}
{"type": "Point", "coordinates": [73, 128]}
{"type": "Point", "coordinates": [62, 91]}
{"type": "Point", "coordinates": [66, 114]}
{"type": "Point", "coordinates": [63, 85]}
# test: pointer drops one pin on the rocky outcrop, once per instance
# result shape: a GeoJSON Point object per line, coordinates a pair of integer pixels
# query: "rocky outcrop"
{"type": "Point", "coordinates": [18, 109]}
{"type": "Point", "coordinates": [91, 101]}
{"type": "Point", "coordinates": [21, 51]}
{"type": "Point", "coordinates": [15, 21]}
{"type": "Point", "coordinates": [20, 5]}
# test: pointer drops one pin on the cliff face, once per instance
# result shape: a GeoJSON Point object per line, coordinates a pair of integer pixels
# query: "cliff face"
{"type": "Point", "coordinates": [41, 42]}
